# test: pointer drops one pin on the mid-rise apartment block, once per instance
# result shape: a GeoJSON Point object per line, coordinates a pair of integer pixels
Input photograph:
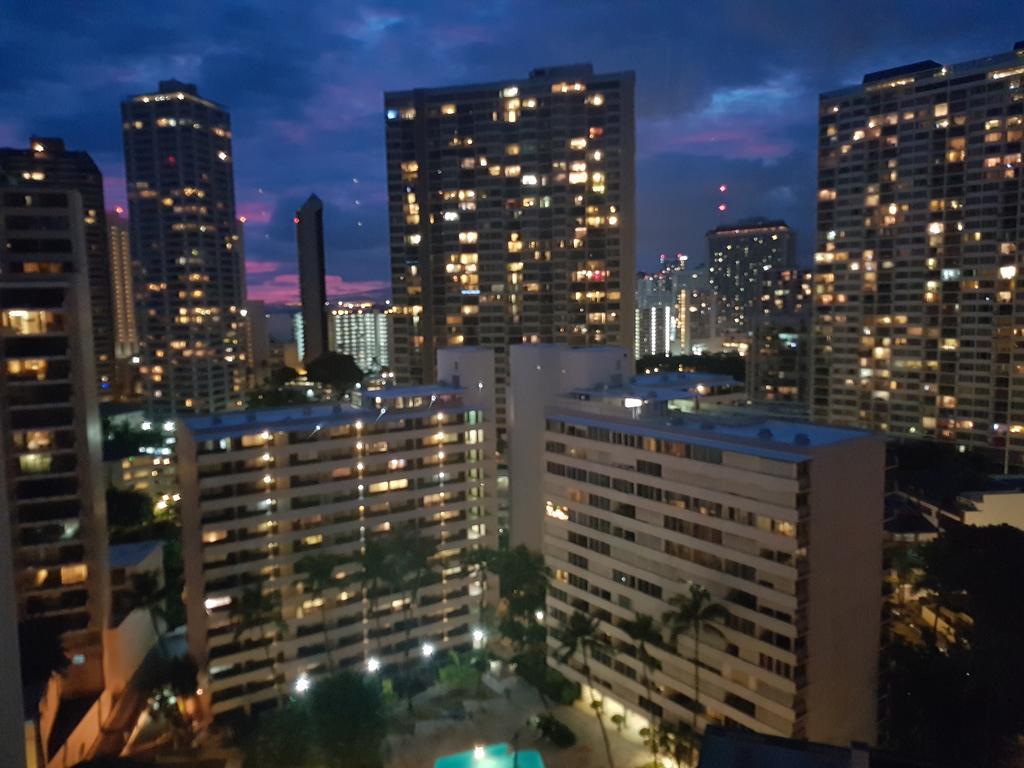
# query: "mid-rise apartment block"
{"type": "Point", "coordinates": [511, 210]}
{"type": "Point", "coordinates": [47, 163]}
{"type": "Point", "coordinates": [54, 521]}
{"type": "Point", "coordinates": [361, 329]}
{"type": "Point", "coordinates": [187, 243]}
{"type": "Point", "coordinates": [918, 283]}
{"type": "Point", "coordinates": [676, 311]}
{"type": "Point", "coordinates": [738, 257]}
{"type": "Point", "coordinates": [779, 521]}
{"type": "Point", "coordinates": [262, 490]}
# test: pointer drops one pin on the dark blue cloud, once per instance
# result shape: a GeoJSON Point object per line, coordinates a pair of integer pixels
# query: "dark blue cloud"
{"type": "Point", "coordinates": [726, 92]}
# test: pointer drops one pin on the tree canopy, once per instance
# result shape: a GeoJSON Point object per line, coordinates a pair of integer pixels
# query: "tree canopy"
{"type": "Point", "coordinates": [335, 370]}
{"type": "Point", "coordinates": [964, 705]}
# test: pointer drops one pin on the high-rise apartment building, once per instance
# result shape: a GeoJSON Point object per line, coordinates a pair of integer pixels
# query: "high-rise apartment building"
{"type": "Point", "coordinates": [258, 356]}
{"type": "Point", "coordinates": [778, 520]}
{"type": "Point", "coordinates": [918, 283]}
{"type": "Point", "coordinates": [778, 361]}
{"type": "Point", "coordinates": [50, 487]}
{"type": "Point", "coordinates": [262, 490]}
{"type": "Point", "coordinates": [187, 243]}
{"type": "Point", "coordinates": [122, 274]}
{"type": "Point", "coordinates": [511, 211]}
{"type": "Point", "coordinates": [48, 164]}
{"type": "Point", "coordinates": [309, 235]}
{"type": "Point", "coordinates": [738, 256]}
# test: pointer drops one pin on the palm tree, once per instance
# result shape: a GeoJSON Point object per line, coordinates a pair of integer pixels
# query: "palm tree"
{"type": "Point", "coordinates": [580, 635]}
{"type": "Point", "coordinates": [409, 566]}
{"type": "Point", "coordinates": [694, 613]}
{"type": "Point", "coordinates": [319, 576]}
{"type": "Point", "coordinates": [676, 741]}
{"type": "Point", "coordinates": [376, 561]}
{"type": "Point", "coordinates": [253, 611]}
{"type": "Point", "coordinates": [644, 629]}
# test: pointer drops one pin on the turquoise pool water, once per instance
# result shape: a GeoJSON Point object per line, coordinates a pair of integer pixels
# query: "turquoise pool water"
{"type": "Point", "coordinates": [493, 756]}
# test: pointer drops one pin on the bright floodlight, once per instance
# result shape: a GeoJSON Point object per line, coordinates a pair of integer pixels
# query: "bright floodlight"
{"type": "Point", "coordinates": [478, 752]}
{"type": "Point", "coordinates": [428, 650]}
{"type": "Point", "coordinates": [303, 683]}
{"type": "Point", "coordinates": [478, 636]}
{"type": "Point", "coordinates": [538, 615]}
{"type": "Point", "coordinates": [372, 664]}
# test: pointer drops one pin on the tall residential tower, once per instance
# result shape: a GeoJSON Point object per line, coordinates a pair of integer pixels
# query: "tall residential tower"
{"type": "Point", "coordinates": [47, 163]}
{"type": "Point", "coordinates": [184, 236]}
{"type": "Point", "coordinates": [512, 215]}
{"type": "Point", "coordinates": [309, 235]}
{"type": "Point", "coordinates": [918, 286]}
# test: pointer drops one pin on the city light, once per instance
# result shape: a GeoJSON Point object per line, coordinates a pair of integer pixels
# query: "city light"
{"type": "Point", "coordinates": [303, 683]}
{"type": "Point", "coordinates": [478, 752]}
{"type": "Point", "coordinates": [427, 649]}
{"type": "Point", "coordinates": [538, 615]}
{"type": "Point", "coordinates": [372, 664]}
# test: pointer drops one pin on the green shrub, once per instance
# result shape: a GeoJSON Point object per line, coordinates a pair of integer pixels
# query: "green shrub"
{"type": "Point", "coordinates": [555, 731]}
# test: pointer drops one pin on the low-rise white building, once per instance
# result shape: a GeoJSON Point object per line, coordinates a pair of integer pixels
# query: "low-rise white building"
{"type": "Point", "coordinates": [780, 521]}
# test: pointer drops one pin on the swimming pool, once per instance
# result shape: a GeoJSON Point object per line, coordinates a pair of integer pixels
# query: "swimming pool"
{"type": "Point", "coordinates": [491, 756]}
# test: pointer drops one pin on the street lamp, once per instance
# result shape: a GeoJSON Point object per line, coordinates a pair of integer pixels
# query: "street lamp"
{"type": "Point", "coordinates": [303, 683]}
{"type": "Point", "coordinates": [539, 616]}
{"type": "Point", "coordinates": [372, 664]}
{"type": "Point", "coordinates": [428, 650]}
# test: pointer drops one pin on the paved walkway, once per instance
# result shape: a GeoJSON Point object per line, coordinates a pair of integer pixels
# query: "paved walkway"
{"type": "Point", "coordinates": [501, 719]}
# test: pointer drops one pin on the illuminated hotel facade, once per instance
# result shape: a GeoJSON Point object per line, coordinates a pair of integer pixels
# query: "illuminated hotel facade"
{"type": "Point", "coordinates": [187, 243]}
{"type": "Point", "coordinates": [511, 208]}
{"type": "Point", "coordinates": [918, 285]}
{"type": "Point", "coordinates": [261, 490]}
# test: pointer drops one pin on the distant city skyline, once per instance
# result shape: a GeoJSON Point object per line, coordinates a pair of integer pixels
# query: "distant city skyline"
{"type": "Point", "coordinates": [724, 96]}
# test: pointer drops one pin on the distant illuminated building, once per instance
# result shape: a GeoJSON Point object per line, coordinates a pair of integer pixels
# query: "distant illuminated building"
{"type": "Point", "coordinates": [126, 331]}
{"type": "Point", "coordinates": [511, 215]}
{"type": "Point", "coordinates": [360, 329]}
{"type": "Point", "coordinates": [675, 311]}
{"type": "Point", "coordinates": [187, 242]}
{"type": "Point", "coordinates": [738, 257]}
{"type": "Point", "coordinates": [778, 361]}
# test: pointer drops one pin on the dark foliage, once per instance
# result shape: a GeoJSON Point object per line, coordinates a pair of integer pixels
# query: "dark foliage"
{"type": "Point", "coordinates": [335, 370]}
{"type": "Point", "coordinates": [730, 365]}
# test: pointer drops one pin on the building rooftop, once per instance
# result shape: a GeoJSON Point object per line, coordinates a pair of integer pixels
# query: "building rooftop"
{"type": "Point", "coordinates": [133, 553]}
{"type": "Point", "coordinates": [929, 69]}
{"type": "Point", "coordinates": [313, 416]}
{"type": "Point", "coordinates": [662, 387]}
{"type": "Point", "coordinates": [733, 748]}
{"type": "Point", "coordinates": [764, 437]}
{"type": "Point", "coordinates": [541, 74]}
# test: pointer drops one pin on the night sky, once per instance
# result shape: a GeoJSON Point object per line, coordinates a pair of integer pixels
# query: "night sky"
{"type": "Point", "coordinates": [726, 93]}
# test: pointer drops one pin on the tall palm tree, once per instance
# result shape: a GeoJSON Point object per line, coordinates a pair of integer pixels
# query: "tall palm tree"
{"type": "Point", "coordinates": [252, 612]}
{"type": "Point", "coordinates": [376, 561]}
{"type": "Point", "coordinates": [693, 614]}
{"type": "Point", "coordinates": [580, 635]}
{"type": "Point", "coordinates": [644, 630]}
{"type": "Point", "coordinates": [319, 576]}
{"type": "Point", "coordinates": [409, 566]}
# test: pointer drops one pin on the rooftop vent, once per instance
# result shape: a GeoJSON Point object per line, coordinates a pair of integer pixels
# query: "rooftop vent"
{"type": "Point", "coordinates": [764, 433]}
{"type": "Point", "coordinates": [801, 438]}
